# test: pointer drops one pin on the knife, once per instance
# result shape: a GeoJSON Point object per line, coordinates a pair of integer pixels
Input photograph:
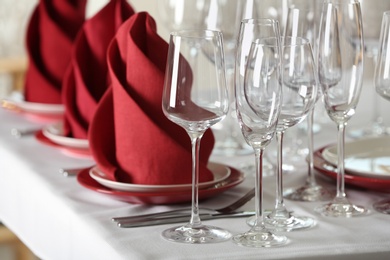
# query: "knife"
{"type": "Point", "coordinates": [178, 219]}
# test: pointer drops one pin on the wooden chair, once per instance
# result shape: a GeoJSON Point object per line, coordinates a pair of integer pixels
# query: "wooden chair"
{"type": "Point", "coordinates": [16, 68]}
{"type": "Point", "coordinates": [9, 239]}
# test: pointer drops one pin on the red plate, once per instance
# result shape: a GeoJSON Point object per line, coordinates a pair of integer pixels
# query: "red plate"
{"type": "Point", "coordinates": [157, 198]}
{"type": "Point", "coordinates": [71, 151]}
{"type": "Point", "coordinates": [371, 183]}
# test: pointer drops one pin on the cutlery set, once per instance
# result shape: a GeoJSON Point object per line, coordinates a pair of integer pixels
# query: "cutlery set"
{"type": "Point", "coordinates": [182, 215]}
{"type": "Point", "coordinates": [19, 133]}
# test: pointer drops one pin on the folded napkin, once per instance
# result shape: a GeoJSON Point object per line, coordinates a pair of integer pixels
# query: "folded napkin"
{"type": "Point", "coordinates": [51, 31]}
{"type": "Point", "coordinates": [87, 77]}
{"type": "Point", "coordinates": [130, 138]}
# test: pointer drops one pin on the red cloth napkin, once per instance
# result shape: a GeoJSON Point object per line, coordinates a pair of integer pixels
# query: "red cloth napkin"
{"type": "Point", "coordinates": [130, 138]}
{"type": "Point", "coordinates": [87, 78]}
{"type": "Point", "coordinates": [52, 28]}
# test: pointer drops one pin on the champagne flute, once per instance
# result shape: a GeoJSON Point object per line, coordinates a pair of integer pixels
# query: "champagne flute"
{"type": "Point", "coordinates": [301, 22]}
{"type": "Point", "coordinates": [370, 10]}
{"type": "Point", "coordinates": [250, 27]}
{"type": "Point", "coordinates": [195, 97]}
{"type": "Point", "coordinates": [382, 83]}
{"type": "Point", "coordinates": [181, 14]}
{"type": "Point", "coordinates": [340, 69]}
{"type": "Point", "coordinates": [251, 30]}
{"type": "Point", "coordinates": [299, 95]}
{"type": "Point", "coordinates": [258, 103]}
{"type": "Point", "coordinates": [225, 16]}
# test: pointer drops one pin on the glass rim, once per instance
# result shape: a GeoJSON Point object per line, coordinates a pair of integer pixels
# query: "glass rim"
{"type": "Point", "coordinates": [260, 20]}
{"type": "Point", "coordinates": [196, 33]}
{"type": "Point", "coordinates": [302, 41]}
{"type": "Point", "coordinates": [341, 2]}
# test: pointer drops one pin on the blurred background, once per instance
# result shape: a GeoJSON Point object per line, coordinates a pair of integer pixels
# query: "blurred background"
{"type": "Point", "coordinates": [14, 17]}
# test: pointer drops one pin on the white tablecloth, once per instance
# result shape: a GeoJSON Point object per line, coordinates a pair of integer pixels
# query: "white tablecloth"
{"type": "Point", "coordinates": [59, 219]}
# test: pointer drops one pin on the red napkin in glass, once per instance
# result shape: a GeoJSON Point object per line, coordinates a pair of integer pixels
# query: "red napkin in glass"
{"type": "Point", "coordinates": [51, 31]}
{"type": "Point", "coordinates": [130, 138]}
{"type": "Point", "coordinates": [87, 77]}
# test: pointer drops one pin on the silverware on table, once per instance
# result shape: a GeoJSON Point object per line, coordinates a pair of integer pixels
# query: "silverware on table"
{"type": "Point", "coordinates": [68, 172]}
{"type": "Point", "coordinates": [186, 211]}
{"type": "Point", "coordinates": [19, 133]}
{"type": "Point", "coordinates": [177, 219]}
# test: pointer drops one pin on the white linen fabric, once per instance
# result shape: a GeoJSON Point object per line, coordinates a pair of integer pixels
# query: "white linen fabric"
{"type": "Point", "coordinates": [58, 219]}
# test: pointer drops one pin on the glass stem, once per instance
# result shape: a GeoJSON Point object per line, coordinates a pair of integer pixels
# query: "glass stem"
{"type": "Point", "coordinates": [280, 208]}
{"type": "Point", "coordinates": [195, 144]}
{"type": "Point", "coordinates": [377, 118]}
{"type": "Point", "coordinates": [232, 133]}
{"type": "Point", "coordinates": [259, 188]}
{"type": "Point", "coordinates": [310, 178]}
{"type": "Point", "coordinates": [340, 163]}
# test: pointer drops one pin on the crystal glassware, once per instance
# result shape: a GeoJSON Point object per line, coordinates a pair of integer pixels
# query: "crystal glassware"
{"type": "Point", "coordinates": [249, 32]}
{"type": "Point", "coordinates": [382, 83]}
{"type": "Point", "coordinates": [370, 10]}
{"type": "Point", "coordinates": [195, 97]}
{"type": "Point", "coordinates": [225, 16]}
{"type": "Point", "coordinates": [299, 81]}
{"type": "Point", "coordinates": [340, 69]}
{"type": "Point", "coordinates": [258, 102]}
{"type": "Point", "coordinates": [301, 22]}
{"type": "Point", "coordinates": [178, 15]}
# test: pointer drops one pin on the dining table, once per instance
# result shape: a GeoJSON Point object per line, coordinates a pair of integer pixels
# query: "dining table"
{"type": "Point", "coordinates": [58, 218]}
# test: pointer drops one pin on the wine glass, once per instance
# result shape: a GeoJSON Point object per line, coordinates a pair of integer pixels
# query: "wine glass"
{"type": "Point", "coordinates": [255, 14]}
{"type": "Point", "coordinates": [251, 29]}
{"type": "Point", "coordinates": [299, 81]}
{"type": "Point", "coordinates": [382, 83]}
{"type": "Point", "coordinates": [258, 103]}
{"type": "Point", "coordinates": [195, 97]}
{"type": "Point", "coordinates": [340, 70]}
{"type": "Point", "coordinates": [301, 22]}
{"type": "Point", "coordinates": [371, 20]}
{"type": "Point", "coordinates": [178, 15]}
{"type": "Point", "coordinates": [225, 16]}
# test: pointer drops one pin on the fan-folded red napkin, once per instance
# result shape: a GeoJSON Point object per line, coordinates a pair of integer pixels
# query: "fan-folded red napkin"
{"type": "Point", "coordinates": [130, 138]}
{"type": "Point", "coordinates": [87, 77]}
{"type": "Point", "coordinates": [51, 31]}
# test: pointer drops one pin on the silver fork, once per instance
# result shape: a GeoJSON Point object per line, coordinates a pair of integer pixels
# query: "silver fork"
{"type": "Point", "coordinates": [69, 172]}
{"type": "Point", "coordinates": [19, 133]}
{"type": "Point", "coordinates": [180, 212]}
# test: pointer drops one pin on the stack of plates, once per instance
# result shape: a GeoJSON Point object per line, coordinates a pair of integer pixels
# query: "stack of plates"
{"type": "Point", "coordinates": [225, 177]}
{"type": "Point", "coordinates": [36, 111]}
{"type": "Point", "coordinates": [53, 135]}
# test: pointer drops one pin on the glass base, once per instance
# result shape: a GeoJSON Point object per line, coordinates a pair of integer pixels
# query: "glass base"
{"type": "Point", "coordinates": [382, 206]}
{"type": "Point", "coordinates": [259, 237]}
{"type": "Point", "coordinates": [309, 193]}
{"type": "Point", "coordinates": [196, 235]}
{"type": "Point", "coordinates": [284, 224]}
{"type": "Point", "coordinates": [341, 207]}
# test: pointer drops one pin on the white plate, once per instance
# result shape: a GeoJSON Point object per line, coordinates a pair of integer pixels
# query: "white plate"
{"type": "Point", "coordinates": [366, 157]}
{"type": "Point", "coordinates": [55, 133]}
{"type": "Point", "coordinates": [220, 172]}
{"type": "Point", "coordinates": [32, 107]}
